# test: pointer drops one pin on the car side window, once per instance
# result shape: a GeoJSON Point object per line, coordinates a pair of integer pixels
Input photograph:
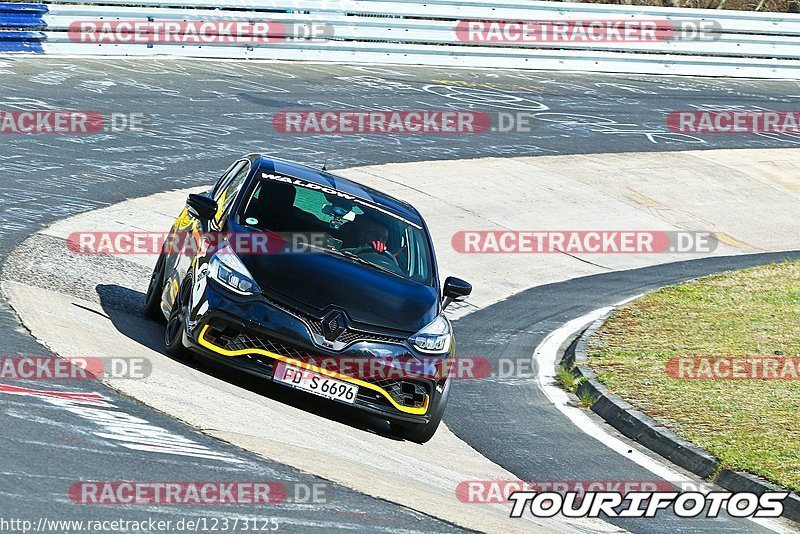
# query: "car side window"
{"type": "Point", "coordinates": [228, 193]}
{"type": "Point", "coordinates": [223, 182]}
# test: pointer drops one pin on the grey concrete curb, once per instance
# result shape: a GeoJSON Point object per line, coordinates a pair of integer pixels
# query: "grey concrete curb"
{"type": "Point", "coordinates": [636, 425]}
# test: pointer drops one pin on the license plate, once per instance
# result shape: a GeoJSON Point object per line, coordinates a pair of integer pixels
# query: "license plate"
{"type": "Point", "coordinates": [315, 383]}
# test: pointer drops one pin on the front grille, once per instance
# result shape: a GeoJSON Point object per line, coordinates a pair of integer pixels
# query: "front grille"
{"type": "Point", "coordinates": [233, 339]}
{"type": "Point", "coordinates": [316, 326]}
{"type": "Point", "coordinates": [351, 335]}
{"type": "Point", "coordinates": [404, 392]}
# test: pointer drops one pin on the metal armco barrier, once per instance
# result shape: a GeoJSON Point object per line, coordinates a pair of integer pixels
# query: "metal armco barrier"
{"type": "Point", "coordinates": [691, 41]}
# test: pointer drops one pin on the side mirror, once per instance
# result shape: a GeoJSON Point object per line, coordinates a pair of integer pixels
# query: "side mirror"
{"type": "Point", "coordinates": [201, 207]}
{"type": "Point", "coordinates": [455, 289]}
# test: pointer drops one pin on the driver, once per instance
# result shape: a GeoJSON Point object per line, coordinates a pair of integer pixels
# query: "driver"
{"type": "Point", "coordinates": [375, 234]}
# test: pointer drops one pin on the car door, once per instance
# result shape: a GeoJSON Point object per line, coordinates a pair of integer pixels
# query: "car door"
{"type": "Point", "coordinates": [225, 196]}
{"type": "Point", "coordinates": [179, 259]}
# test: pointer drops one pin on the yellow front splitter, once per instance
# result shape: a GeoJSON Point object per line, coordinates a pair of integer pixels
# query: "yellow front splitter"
{"type": "Point", "coordinates": [361, 383]}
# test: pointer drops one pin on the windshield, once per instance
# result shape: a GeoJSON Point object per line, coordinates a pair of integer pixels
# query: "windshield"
{"type": "Point", "coordinates": [348, 227]}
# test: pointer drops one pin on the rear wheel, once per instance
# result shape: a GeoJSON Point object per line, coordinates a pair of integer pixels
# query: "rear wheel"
{"type": "Point", "coordinates": [422, 432]}
{"type": "Point", "coordinates": [152, 300]}
{"type": "Point", "coordinates": [176, 322]}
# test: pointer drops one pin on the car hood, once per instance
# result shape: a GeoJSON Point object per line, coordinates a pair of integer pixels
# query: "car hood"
{"type": "Point", "coordinates": [316, 282]}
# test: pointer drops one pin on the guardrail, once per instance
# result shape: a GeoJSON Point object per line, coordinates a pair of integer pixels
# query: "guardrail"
{"type": "Point", "coordinates": [425, 32]}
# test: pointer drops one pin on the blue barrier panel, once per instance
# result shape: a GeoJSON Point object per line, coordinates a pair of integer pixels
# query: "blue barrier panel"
{"type": "Point", "coordinates": [22, 16]}
{"type": "Point", "coordinates": [22, 42]}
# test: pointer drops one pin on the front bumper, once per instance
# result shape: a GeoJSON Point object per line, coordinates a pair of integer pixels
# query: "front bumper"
{"type": "Point", "coordinates": [252, 334]}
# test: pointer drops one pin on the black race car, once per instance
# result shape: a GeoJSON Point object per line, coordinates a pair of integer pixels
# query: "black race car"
{"type": "Point", "coordinates": [314, 282]}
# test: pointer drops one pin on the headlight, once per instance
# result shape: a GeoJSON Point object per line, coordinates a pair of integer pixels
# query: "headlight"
{"type": "Point", "coordinates": [226, 268]}
{"type": "Point", "coordinates": [434, 338]}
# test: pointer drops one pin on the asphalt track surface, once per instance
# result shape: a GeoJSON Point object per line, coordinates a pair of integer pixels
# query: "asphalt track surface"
{"type": "Point", "coordinates": [203, 114]}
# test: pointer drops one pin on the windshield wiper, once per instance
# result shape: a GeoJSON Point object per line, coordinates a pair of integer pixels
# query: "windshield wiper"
{"type": "Point", "coordinates": [355, 257]}
{"type": "Point", "coordinates": [359, 259]}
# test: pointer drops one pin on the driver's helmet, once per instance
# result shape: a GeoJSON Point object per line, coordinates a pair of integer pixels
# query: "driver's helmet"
{"type": "Point", "coordinates": [374, 230]}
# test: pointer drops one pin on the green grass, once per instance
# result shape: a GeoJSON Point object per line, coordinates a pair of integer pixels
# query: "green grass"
{"type": "Point", "coordinates": [566, 378]}
{"type": "Point", "coordinates": [586, 399]}
{"type": "Point", "coordinates": [571, 383]}
{"type": "Point", "coordinates": [750, 425]}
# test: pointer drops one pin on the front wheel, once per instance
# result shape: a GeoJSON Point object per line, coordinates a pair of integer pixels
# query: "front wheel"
{"type": "Point", "coordinates": [176, 323]}
{"type": "Point", "coordinates": [152, 300]}
{"type": "Point", "coordinates": [422, 432]}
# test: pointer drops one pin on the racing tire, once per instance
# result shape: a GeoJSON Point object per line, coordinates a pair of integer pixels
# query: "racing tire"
{"type": "Point", "coordinates": [176, 322]}
{"type": "Point", "coordinates": [152, 300]}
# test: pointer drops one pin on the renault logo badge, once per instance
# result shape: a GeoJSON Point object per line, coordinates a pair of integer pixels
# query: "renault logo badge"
{"type": "Point", "coordinates": [333, 325]}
